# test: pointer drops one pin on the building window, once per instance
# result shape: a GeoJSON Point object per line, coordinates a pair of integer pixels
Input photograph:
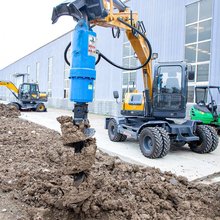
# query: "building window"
{"type": "Point", "coordinates": [49, 77]}
{"type": "Point", "coordinates": [66, 76]}
{"type": "Point", "coordinates": [37, 72]}
{"type": "Point", "coordinates": [129, 61]}
{"type": "Point", "coordinates": [198, 42]}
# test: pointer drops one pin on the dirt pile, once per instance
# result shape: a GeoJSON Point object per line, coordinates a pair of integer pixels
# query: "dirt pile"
{"type": "Point", "coordinates": [9, 111]}
{"type": "Point", "coordinates": [38, 172]}
{"type": "Point", "coordinates": [71, 133]}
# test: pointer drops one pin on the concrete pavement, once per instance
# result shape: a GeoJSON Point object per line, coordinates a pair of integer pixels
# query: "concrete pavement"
{"type": "Point", "coordinates": [181, 161]}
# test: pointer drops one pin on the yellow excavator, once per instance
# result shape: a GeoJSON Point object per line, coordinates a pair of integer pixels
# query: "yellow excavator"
{"type": "Point", "coordinates": [165, 87]}
{"type": "Point", "coordinates": [28, 96]}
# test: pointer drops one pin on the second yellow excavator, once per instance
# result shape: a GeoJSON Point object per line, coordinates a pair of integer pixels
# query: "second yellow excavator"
{"type": "Point", "coordinates": [28, 96]}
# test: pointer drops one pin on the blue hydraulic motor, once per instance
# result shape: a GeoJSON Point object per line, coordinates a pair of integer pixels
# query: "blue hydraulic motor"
{"type": "Point", "coordinates": [82, 72]}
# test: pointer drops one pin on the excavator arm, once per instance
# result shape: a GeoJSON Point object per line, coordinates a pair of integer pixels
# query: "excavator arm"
{"type": "Point", "coordinates": [105, 13]}
{"type": "Point", "coordinates": [11, 87]}
{"type": "Point", "coordinates": [113, 14]}
{"type": "Point", "coordinates": [138, 42]}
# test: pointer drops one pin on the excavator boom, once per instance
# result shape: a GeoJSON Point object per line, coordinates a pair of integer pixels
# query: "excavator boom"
{"type": "Point", "coordinates": [11, 86]}
{"type": "Point", "coordinates": [141, 47]}
{"type": "Point", "coordinates": [113, 14]}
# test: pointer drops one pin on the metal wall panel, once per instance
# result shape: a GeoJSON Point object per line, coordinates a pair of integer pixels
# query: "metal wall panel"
{"type": "Point", "coordinates": [164, 21]}
{"type": "Point", "coordinates": [214, 77]}
{"type": "Point", "coordinates": [53, 49]}
{"type": "Point", "coordinates": [165, 25]}
{"type": "Point", "coordinates": [109, 78]}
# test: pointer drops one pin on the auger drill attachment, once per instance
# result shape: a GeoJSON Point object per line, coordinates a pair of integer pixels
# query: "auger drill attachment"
{"type": "Point", "coordinates": [82, 71]}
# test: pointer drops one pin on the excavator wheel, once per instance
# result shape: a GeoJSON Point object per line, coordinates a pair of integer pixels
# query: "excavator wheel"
{"type": "Point", "coordinates": [40, 108]}
{"type": "Point", "coordinates": [205, 142]}
{"type": "Point", "coordinates": [151, 142]}
{"type": "Point", "coordinates": [112, 131]}
{"type": "Point", "coordinates": [166, 141]}
{"type": "Point", "coordinates": [215, 138]}
{"type": "Point", "coordinates": [16, 105]}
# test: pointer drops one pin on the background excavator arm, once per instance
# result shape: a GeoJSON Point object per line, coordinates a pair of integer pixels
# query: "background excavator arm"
{"type": "Point", "coordinates": [11, 87]}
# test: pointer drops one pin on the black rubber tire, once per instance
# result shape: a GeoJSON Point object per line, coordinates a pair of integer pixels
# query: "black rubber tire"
{"type": "Point", "coordinates": [166, 141]}
{"type": "Point", "coordinates": [16, 105]}
{"type": "Point", "coordinates": [112, 131]}
{"type": "Point", "coordinates": [123, 137]}
{"type": "Point", "coordinates": [215, 138]}
{"type": "Point", "coordinates": [40, 108]}
{"type": "Point", "coordinates": [151, 142]}
{"type": "Point", "coordinates": [205, 143]}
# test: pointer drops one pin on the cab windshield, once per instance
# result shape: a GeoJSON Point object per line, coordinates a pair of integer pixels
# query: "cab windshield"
{"type": "Point", "coordinates": [169, 79]}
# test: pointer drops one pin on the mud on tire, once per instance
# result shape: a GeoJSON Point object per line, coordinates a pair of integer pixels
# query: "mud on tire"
{"type": "Point", "coordinates": [151, 142]}
{"type": "Point", "coordinates": [204, 145]}
{"type": "Point", "coordinates": [166, 141]}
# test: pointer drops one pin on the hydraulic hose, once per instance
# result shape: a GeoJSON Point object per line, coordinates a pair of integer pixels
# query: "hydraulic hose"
{"type": "Point", "coordinates": [148, 44]}
{"type": "Point", "coordinates": [100, 55]}
{"type": "Point", "coordinates": [67, 61]}
{"type": "Point", "coordinates": [65, 54]}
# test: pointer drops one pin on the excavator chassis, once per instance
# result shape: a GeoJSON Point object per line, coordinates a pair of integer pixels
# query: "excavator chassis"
{"type": "Point", "coordinates": [156, 137]}
{"type": "Point", "coordinates": [35, 106]}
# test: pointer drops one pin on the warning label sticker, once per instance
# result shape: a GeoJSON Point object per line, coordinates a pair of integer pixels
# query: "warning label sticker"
{"type": "Point", "coordinates": [92, 46]}
{"type": "Point", "coordinates": [90, 87]}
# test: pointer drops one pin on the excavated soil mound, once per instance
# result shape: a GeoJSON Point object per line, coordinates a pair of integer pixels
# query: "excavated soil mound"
{"type": "Point", "coordinates": [9, 111]}
{"type": "Point", "coordinates": [37, 182]}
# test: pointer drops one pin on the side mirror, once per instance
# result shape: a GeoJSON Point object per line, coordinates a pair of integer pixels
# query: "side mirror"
{"type": "Point", "coordinates": [191, 75]}
{"type": "Point", "coordinates": [115, 94]}
{"type": "Point", "coordinates": [154, 56]}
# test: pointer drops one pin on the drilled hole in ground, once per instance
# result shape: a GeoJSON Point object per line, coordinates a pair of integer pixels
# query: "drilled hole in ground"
{"type": "Point", "coordinates": [78, 146]}
{"type": "Point", "coordinates": [78, 178]}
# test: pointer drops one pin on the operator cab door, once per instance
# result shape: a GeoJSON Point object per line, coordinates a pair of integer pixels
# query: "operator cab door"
{"type": "Point", "coordinates": [169, 91]}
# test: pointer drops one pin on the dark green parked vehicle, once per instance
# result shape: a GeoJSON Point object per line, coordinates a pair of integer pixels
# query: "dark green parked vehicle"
{"type": "Point", "coordinates": [206, 109]}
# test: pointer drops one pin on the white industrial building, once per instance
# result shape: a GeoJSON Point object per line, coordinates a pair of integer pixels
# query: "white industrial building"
{"type": "Point", "coordinates": [177, 29]}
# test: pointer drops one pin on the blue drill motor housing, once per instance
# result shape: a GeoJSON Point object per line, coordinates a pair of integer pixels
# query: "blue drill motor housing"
{"type": "Point", "coordinates": [82, 72]}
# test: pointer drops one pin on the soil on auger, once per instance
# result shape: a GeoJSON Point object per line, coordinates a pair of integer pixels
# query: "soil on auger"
{"type": "Point", "coordinates": [44, 177]}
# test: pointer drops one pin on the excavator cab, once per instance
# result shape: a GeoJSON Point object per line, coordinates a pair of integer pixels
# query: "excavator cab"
{"type": "Point", "coordinates": [169, 94]}
{"type": "Point", "coordinates": [170, 90]}
{"type": "Point", "coordinates": [29, 92]}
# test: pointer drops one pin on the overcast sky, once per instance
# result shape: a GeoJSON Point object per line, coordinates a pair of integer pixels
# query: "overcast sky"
{"type": "Point", "coordinates": [26, 25]}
